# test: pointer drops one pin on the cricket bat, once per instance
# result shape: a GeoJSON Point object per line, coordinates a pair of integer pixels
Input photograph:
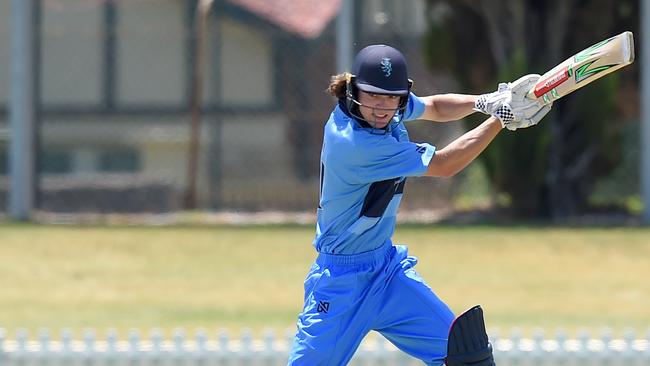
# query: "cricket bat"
{"type": "Point", "coordinates": [584, 67]}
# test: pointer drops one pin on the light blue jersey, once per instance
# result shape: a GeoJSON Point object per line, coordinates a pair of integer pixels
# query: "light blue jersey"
{"type": "Point", "coordinates": [360, 281]}
{"type": "Point", "coordinates": [363, 173]}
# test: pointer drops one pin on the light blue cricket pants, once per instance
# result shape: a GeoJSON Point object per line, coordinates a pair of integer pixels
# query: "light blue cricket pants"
{"type": "Point", "coordinates": [346, 296]}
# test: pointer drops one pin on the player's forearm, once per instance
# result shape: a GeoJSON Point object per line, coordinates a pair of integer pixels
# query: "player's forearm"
{"type": "Point", "coordinates": [448, 107]}
{"type": "Point", "coordinates": [459, 153]}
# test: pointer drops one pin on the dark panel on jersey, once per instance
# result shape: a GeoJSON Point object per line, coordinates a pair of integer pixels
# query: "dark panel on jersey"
{"type": "Point", "coordinates": [379, 196]}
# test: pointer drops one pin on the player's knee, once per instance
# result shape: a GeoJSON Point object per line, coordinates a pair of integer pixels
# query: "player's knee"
{"type": "Point", "coordinates": [468, 343]}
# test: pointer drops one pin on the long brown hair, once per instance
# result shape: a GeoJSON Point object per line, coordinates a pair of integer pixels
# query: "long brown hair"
{"type": "Point", "coordinates": [338, 84]}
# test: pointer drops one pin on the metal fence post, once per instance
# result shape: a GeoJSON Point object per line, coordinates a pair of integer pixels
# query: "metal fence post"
{"type": "Point", "coordinates": [344, 36]}
{"type": "Point", "coordinates": [645, 111]}
{"type": "Point", "coordinates": [22, 113]}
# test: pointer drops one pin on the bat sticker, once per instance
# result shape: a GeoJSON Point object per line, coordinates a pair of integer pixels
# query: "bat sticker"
{"type": "Point", "coordinates": [582, 72]}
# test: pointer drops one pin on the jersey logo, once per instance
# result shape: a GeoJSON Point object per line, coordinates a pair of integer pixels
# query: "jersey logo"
{"type": "Point", "coordinates": [386, 66]}
{"type": "Point", "coordinates": [323, 307]}
{"type": "Point", "coordinates": [421, 149]}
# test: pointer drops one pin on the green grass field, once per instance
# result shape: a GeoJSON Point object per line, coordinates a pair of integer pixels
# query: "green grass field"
{"type": "Point", "coordinates": [235, 277]}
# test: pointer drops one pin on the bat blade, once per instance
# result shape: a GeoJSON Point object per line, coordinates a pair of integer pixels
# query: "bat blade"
{"type": "Point", "coordinates": [584, 67]}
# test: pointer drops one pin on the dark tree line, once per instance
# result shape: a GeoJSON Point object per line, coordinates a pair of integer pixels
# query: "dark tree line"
{"type": "Point", "coordinates": [549, 170]}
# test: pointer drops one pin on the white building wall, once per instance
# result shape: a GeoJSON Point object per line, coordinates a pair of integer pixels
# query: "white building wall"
{"type": "Point", "coordinates": [163, 143]}
{"type": "Point", "coordinates": [260, 139]}
{"type": "Point", "coordinates": [246, 59]}
{"type": "Point", "coordinates": [71, 52]}
{"type": "Point", "coordinates": [5, 45]}
{"type": "Point", "coordinates": [151, 70]}
{"type": "Point", "coordinates": [151, 52]}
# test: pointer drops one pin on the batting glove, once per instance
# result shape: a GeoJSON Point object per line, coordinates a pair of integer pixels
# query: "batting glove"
{"type": "Point", "coordinates": [510, 105]}
{"type": "Point", "coordinates": [497, 104]}
{"type": "Point", "coordinates": [527, 112]}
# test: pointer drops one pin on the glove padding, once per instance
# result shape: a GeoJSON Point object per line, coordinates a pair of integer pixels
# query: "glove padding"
{"type": "Point", "coordinates": [510, 105]}
{"type": "Point", "coordinates": [527, 112]}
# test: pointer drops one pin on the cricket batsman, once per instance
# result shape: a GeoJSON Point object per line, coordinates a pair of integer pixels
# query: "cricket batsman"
{"type": "Point", "coordinates": [360, 280]}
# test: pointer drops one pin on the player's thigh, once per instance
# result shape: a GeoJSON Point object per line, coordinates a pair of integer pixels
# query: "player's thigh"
{"type": "Point", "coordinates": [414, 318]}
{"type": "Point", "coordinates": [329, 327]}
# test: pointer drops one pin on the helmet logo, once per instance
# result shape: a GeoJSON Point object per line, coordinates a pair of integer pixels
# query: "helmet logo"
{"type": "Point", "coordinates": [386, 66]}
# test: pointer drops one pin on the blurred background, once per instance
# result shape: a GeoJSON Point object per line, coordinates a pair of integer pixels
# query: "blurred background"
{"type": "Point", "coordinates": [154, 106]}
{"type": "Point", "coordinates": [130, 112]}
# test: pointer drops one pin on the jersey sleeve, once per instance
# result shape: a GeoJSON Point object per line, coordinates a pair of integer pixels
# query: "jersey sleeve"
{"type": "Point", "coordinates": [388, 159]}
{"type": "Point", "coordinates": [414, 108]}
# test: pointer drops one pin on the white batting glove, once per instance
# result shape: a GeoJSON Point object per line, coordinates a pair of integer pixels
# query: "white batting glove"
{"type": "Point", "coordinates": [489, 103]}
{"type": "Point", "coordinates": [527, 112]}
{"type": "Point", "coordinates": [497, 104]}
{"type": "Point", "coordinates": [510, 105]}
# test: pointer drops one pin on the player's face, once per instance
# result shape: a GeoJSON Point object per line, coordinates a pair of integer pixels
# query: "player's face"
{"type": "Point", "coordinates": [378, 109]}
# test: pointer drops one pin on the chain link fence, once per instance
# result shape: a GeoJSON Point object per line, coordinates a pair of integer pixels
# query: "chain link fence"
{"type": "Point", "coordinates": [115, 96]}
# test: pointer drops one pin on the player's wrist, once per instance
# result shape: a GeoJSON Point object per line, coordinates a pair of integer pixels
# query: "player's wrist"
{"type": "Point", "coordinates": [495, 122]}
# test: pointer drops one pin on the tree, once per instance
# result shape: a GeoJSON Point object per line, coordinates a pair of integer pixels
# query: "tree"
{"type": "Point", "coordinates": [548, 170]}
